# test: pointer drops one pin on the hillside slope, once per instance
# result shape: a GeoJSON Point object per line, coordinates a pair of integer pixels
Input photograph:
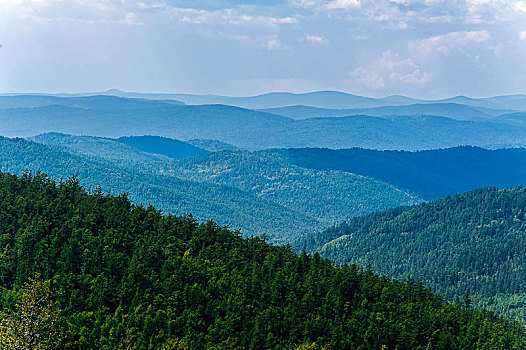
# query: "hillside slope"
{"type": "Point", "coordinates": [98, 102]}
{"type": "Point", "coordinates": [328, 99]}
{"type": "Point", "coordinates": [225, 204]}
{"type": "Point", "coordinates": [327, 196]}
{"type": "Point", "coordinates": [429, 174]}
{"type": "Point", "coordinates": [471, 243]}
{"type": "Point", "coordinates": [128, 277]}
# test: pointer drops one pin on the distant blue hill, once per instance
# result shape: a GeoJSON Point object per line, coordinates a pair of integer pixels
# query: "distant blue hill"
{"type": "Point", "coordinates": [319, 99]}
{"type": "Point", "coordinates": [86, 102]}
{"type": "Point", "coordinates": [517, 118]}
{"type": "Point", "coordinates": [162, 145]}
{"type": "Point", "coordinates": [323, 99]}
{"type": "Point", "coordinates": [449, 110]}
{"type": "Point", "coordinates": [330, 99]}
{"type": "Point", "coordinates": [251, 130]}
{"type": "Point", "coordinates": [429, 174]}
{"type": "Point", "coordinates": [517, 102]}
{"type": "Point", "coordinates": [212, 145]}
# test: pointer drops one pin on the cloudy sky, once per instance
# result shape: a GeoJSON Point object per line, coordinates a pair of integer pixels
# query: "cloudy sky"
{"type": "Point", "coordinates": [420, 48]}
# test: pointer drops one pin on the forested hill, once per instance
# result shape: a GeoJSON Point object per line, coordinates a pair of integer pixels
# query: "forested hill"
{"type": "Point", "coordinates": [324, 197]}
{"type": "Point", "coordinates": [161, 145]}
{"type": "Point", "coordinates": [128, 277]}
{"type": "Point", "coordinates": [429, 174]}
{"type": "Point", "coordinates": [472, 243]}
{"type": "Point", "coordinates": [225, 204]}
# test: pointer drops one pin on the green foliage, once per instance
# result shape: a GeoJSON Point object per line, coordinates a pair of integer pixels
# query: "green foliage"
{"type": "Point", "coordinates": [33, 322]}
{"type": "Point", "coordinates": [329, 196]}
{"type": "Point", "coordinates": [469, 246]}
{"type": "Point", "coordinates": [127, 277]}
{"type": "Point", "coordinates": [309, 346]}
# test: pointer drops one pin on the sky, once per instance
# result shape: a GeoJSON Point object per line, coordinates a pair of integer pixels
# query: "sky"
{"type": "Point", "coordinates": [418, 48]}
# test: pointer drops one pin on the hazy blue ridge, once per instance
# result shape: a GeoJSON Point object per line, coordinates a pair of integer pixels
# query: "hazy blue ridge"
{"type": "Point", "coordinates": [429, 174]}
{"type": "Point", "coordinates": [98, 102]}
{"type": "Point", "coordinates": [253, 130]}
{"type": "Point", "coordinates": [449, 110]}
{"type": "Point", "coordinates": [226, 205]}
{"type": "Point", "coordinates": [330, 99]}
{"type": "Point", "coordinates": [327, 196]}
{"type": "Point", "coordinates": [212, 145]}
{"type": "Point", "coordinates": [162, 145]}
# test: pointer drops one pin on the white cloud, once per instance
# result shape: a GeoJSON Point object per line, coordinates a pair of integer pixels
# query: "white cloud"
{"type": "Point", "coordinates": [315, 39]}
{"type": "Point", "coordinates": [390, 68]}
{"type": "Point", "coordinates": [342, 4]}
{"type": "Point", "coordinates": [478, 2]}
{"type": "Point", "coordinates": [520, 6]}
{"type": "Point", "coordinates": [272, 44]}
{"type": "Point", "coordinates": [132, 19]}
{"type": "Point", "coordinates": [446, 42]}
{"type": "Point", "coordinates": [436, 19]}
{"type": "Point", "coordinates": [226, 17]}
{"type": "Point", "coordinates": [522, 35]}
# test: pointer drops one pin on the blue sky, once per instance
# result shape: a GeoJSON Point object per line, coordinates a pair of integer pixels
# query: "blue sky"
{"type": "Point", "coordinates": [420, 48]}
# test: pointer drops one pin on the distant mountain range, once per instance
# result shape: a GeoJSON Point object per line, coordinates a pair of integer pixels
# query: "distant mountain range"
{"type": "Point", "coordinates": [319, 99]}
{"type": "Point", "coordinates": [97, 102]}
{"type": "Point", "coordinates": [449, 110]}
{"type": "Point", "coordinates": [412, 129]}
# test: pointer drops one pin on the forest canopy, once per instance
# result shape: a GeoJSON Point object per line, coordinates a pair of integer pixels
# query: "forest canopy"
{"type": "Point", "coordinates": [126, 276]}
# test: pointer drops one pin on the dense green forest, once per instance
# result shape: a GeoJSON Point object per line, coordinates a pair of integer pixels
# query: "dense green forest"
{"type": "Point", "coordinates": [473, 243]}
{"type": "Point", "coordinates": [429, 174]}
{"type": "Point", "coordinates": [326, 196]}
{"type": "Point", "coordinates": [227, 205]}
{"type": "Point", "coordinates": [125, 276]}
